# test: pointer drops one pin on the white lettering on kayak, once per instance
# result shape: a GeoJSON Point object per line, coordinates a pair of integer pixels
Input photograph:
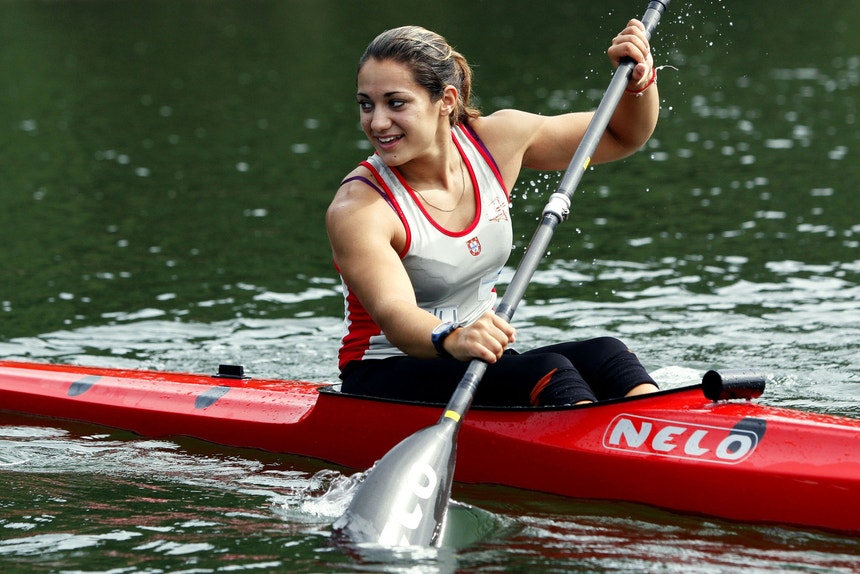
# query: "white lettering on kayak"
{"type": "Point", "coordinates": [646, 435]}
{"type": "Point", "coordinates": [422, 481]}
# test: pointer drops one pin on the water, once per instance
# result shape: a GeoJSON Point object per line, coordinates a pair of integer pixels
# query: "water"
{"type": "Point", "coordinates": [164, 169]}
{"type": "Point", "coordinates": [84, 500]}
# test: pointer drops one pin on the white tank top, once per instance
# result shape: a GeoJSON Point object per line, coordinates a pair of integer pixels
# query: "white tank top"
{"type": "Point", "coordinates": [453, 273]}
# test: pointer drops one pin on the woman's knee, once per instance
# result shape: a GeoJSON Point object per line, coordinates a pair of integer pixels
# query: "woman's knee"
{"type": "Point", "coordinates": [609, 346]}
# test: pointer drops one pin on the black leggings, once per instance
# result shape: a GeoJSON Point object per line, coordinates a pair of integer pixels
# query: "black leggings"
{"type": "Point", "coordinates": [565, 373]}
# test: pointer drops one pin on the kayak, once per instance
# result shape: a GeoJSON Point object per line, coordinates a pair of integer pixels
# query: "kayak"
{"type": "Point", "coordinates": [721, 455]}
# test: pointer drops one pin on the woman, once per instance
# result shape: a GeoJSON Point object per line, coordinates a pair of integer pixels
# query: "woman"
{"type": "Point", "coordinates": [421, 230]}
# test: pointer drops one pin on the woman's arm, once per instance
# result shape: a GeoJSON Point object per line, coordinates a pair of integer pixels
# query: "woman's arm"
{"type": "Point", "coordinates": [635, 117]}
{"type": "Point", "coordinates": [366, 237]}
{"type": "Point", "coordinates": [520, 139]}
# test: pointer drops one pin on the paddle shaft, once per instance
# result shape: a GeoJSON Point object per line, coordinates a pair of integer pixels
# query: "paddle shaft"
{"type": "Point", "coordinates": [554, 213]}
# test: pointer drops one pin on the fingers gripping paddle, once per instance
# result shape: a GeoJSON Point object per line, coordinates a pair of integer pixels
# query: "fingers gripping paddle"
{"type": "Point", "coordinates": [403, 500]}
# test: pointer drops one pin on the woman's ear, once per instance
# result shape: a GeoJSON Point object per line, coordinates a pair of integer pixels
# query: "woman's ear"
{"type": "Point", "coordinates": [450, 97]}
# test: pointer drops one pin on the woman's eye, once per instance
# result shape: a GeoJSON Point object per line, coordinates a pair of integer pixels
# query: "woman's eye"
{"type": "Point", "coordinates": [367, 106]}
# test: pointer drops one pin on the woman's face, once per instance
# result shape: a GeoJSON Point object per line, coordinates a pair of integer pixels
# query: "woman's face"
{"type": "Point", "coordinates": [396, 113]}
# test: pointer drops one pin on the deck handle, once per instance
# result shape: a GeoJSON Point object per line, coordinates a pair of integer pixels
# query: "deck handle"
{"type": "Point", "coordinates": [732, 384]}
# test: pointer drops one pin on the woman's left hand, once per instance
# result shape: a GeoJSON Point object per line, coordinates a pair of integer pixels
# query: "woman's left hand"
{"type": "Point", "coordinates": [632, 43]}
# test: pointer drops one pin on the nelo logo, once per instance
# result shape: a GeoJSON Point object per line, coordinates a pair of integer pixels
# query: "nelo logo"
{"type": "Point", "coordinates": [679, 440]}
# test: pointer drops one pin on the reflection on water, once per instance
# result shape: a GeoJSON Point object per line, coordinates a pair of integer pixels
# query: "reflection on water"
{"type": "Point", "coordinates": [146, 504]}
{"type": "Point", "coordinates": [140, 505]}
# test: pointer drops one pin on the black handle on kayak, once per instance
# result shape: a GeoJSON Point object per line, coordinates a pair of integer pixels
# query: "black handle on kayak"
{"type": "Point", "coordinates": [732, 384]}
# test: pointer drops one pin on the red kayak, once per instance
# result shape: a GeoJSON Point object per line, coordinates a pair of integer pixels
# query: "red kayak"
{"type": "Point", "coordinates": [675, 449]}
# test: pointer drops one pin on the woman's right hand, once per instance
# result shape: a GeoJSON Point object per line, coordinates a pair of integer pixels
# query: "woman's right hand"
{"type": "Point", "coordinates": [632, 42]}
{"type": "Point", "coordinates": [485, 339]}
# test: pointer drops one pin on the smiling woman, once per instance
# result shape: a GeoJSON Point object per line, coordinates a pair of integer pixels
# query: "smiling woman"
{"type": "Point", "coordinates": [421, 230]}
{"type": "Point", "coordinates": [731, 240]}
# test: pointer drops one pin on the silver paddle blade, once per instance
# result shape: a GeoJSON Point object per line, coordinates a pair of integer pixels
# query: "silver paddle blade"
{"type": "Point", "coordinates": [403, 501]}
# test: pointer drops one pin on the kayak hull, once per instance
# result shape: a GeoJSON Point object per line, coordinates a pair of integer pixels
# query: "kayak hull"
{"type": "Point", "coordinates": [676, 449]}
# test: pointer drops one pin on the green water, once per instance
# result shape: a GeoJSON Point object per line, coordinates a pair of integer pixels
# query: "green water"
{"type": "Point", "coordinates": [164, 171]}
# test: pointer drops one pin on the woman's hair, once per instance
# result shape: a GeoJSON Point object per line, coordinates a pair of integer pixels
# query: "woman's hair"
{"type": "Point", "coordinates": [434, 63]}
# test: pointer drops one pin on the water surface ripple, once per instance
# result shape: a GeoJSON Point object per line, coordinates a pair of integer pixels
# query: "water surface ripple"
{"type": "Point", "coordinates": [164, 171]}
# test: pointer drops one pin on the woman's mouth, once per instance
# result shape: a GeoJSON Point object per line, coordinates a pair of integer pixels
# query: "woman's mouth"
{"type": "Point", "coordinates": [386, 141]}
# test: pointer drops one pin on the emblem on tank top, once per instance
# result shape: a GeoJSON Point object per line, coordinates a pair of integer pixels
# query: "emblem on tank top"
{"type": "Point", "coordinates": [474, 246]}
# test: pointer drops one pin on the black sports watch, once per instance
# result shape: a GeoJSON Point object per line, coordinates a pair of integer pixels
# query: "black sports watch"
{"type": "Point", "coordinates": [439, 334]}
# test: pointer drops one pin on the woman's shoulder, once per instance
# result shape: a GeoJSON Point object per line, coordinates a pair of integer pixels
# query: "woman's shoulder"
{"type": "Point", "coordinates": [359, 195]}
{"type": "Point", "coordinates": [360, 182]}
{"type": "Point", "coordinates": [361, 215]}
{"type": "Point", "coordinates": [508, 127]}
{"type": "Point", "coordinates": [358, 187]}
{"type": "Point", "coordinates": [505, 119]}
{"type": "Point", "coordinates": [361, 172]}
{"type": "Point", "coordinates": [507, 135]}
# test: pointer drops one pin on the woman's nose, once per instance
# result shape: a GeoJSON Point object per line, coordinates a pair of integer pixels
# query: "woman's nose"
{"type": "Point", "coordinates": [379, 120]}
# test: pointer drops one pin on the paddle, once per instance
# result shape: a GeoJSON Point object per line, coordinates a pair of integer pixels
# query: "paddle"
{"type": "Point", "coordinates": [403, 500]}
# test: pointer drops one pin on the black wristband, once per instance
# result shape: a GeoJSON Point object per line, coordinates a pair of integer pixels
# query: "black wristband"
{"type": "Point", "coordinates": [438, 336]}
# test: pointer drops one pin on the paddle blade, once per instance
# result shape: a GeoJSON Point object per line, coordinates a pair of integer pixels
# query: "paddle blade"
{"type": "Point", "coordinates": [404, 498]}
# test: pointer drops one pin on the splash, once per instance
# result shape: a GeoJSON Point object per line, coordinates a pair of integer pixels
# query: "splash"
{"type": "Point", "coordinates": [322, 498]}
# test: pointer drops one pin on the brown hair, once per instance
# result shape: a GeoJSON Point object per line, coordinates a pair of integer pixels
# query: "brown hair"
{"type": "Point", "coordinates": [434, 63]}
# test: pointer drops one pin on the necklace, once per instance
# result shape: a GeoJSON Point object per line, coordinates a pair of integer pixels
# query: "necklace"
{"type": "Point", "coordinates": [459, 199]}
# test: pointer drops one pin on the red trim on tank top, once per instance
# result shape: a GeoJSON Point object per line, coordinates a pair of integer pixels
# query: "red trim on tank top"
{"type": "Point", "coordinates": [356, 341]}
{"type": "Point", "coordinates": [392, 201]}
{"type": "Point", "coordinates": [475, 190]}
{"type": "Point", "coordinates": [470, 134]}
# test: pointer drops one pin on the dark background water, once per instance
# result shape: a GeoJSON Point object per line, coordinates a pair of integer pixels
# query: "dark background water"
{"type": "Point", "coordinates": [185, 148]}
{"type": "Point", "coordinates": [164, 171]}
